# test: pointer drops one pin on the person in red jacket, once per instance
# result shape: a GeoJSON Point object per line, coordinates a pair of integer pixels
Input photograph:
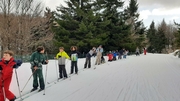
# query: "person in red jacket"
{"type": "Point", "coordinates": [110, 56]}
{"type": "Point", "coordinates": [6, 71]}
{"type": "Point", "coordinates": [144, 51]}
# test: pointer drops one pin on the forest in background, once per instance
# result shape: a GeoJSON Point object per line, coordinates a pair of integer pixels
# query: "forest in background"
{"type": "Point", "coordinates": [26, 24]}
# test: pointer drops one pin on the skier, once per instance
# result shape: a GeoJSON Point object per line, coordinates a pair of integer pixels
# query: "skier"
{"type": "Point", "coordinates": [121, 53]}
{"type": "Point", "coordinates": [144, 51]}
{"type": "Point", "coordinates": [137, 51]}
{"type": "Point", "coordinates": [62, 56]}
{"type": "Point", "coordinates": [114, 55]}
{"type": "Point", "coordinates": [74, 58]}
{"type": "Point", "coordinates": [110, 56]}
{"type": "Point", "coordinates": [36, 61]}
{"type": "Point", "coordinates": [88, 57]}
{"type": "Point", "coordinates": [99, 52]}
{"type": "Point", "coordinates": [6, 71]}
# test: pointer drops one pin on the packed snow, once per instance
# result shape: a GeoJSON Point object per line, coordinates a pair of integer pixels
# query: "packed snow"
{"type": "Point", "coordinates": [151, 77]}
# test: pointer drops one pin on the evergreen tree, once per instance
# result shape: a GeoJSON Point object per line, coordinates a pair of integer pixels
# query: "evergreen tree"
{"type": "Point", "coordinates": [79, 25]}
{"type": "Point", "coordinates": [177, 35]}
{"type": "Point", "coordinates": [151, 35]}
{"type": "Point", "coordinates": [112, 10]}
{"type": "Point", "coordinates": [137, 27]}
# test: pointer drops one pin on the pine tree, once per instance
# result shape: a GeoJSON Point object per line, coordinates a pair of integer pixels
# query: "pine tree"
{"type": "Point", "coordinates": [137, 27]}
{"type": "Point", "coordinates": [151, 35]}
{"type": "Point", "coordinates": [79, 25]}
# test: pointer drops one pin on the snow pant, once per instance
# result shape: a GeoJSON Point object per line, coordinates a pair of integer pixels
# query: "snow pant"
{"type": "Point", "coordinates": [62, 71]}
{"type": "Point", "coordinates": [137, 53]}
{"type": "Point", "coordinates": [119, 56]}
{"type": "Point", "coordinates": [88, 62]}
{"type": "Point", "coordinates": [4, 89]}
{"type": "Point", "coordinates": [38, 75]}
{"type": "Point", "coordinates": [114, 58]}
{"type": "Point", "coordinates": [124, 56]}
{"type": "Point", "coordinates": [144, 52]}
{"type": "Point", "coordinates": [74, 65]}
{"type": "Point", "coordinates": [98, 58]}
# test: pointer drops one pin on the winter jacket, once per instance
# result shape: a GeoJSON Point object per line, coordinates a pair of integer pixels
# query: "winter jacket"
{"type": "Point", "coordinates": [74, 55]}
{"type": "Point", "coordinates": [110, 56]}
{"type": "Point", "coordinates": [37, 59]}
{"type": "Point", "coordinates": [62, 56]}
{"type": "Point", "coordinates": [7, 67]}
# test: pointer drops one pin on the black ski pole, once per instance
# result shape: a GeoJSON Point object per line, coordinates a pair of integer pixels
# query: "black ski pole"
{"type": "Point", "coordinates": [45, 75]}
{"type": "Point", "coordinates": [2, 81]}
{"type": "Point", "coordinates": [18, 84]}
{"type": "Point", "coordinates": [28, 80]}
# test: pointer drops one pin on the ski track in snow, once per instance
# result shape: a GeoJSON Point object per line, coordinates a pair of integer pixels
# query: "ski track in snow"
{"type": "Point", "coordinates": [154, 77]}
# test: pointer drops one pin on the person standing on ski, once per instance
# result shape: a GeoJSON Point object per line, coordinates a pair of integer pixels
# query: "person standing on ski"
{"type": "Point", "coordinates": [36, 61]}
{"type": "Point", "coordinates": [88, 57]}
{"type": "Point", "coordinates": [62, 56]}
{"type": "Point", "coordinates": [6, 72]}
{"type": "Point", "coordinates": [144, 51]}
{"type": "Point", "coordinates": [99, 52]}
{"type": "Point", "coordinates": [137, 51]}
{"type": "Point", "coordinates": [74, 58]}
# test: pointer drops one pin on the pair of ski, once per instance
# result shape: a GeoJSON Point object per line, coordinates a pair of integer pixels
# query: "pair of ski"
{"type": "Point", "coordinates": [28, 94]}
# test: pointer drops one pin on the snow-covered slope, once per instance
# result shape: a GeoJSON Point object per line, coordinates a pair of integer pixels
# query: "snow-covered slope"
{"type": "Point", "coordinates": [154, 77]}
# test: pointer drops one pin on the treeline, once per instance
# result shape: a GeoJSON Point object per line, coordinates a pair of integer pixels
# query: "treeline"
{"type": "Point", "coordinates": [163, 38]}
{"type": "Point", "coordinates": [84, 23]}
{"type": "Point", "coordinates": [88, 23]}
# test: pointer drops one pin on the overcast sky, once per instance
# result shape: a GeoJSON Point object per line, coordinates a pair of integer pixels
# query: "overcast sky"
{"type": "Point", "coordinates": [149, 9]}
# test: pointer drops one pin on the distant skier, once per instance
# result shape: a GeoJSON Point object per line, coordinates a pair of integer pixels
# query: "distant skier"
{"type": "Point", "coordinates": [6, 72]}
{"type": "Point", "coordinates": [74, 59]}
{"type": "Point", "coordinates": [137, 51]}
{"type": "Point", "coordinates": [88, 57]}
{"type": "Point", "coordinates": [114, 56]}
{"type": "Point", "coordinates": [36, 61]}
{"type": "Point", "coordinates": [62, 56]}
{"type": "Point", "coordinates": [110, 56]}
{"type": "Point", "coordinates": [99, 52]}
{"type": "Point", "coordinates": [144, 51]}
{"type": "Point", "coordinates": [121, 53]}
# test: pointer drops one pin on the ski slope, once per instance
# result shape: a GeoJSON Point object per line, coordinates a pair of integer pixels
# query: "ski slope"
{"type": "Point", "coordinates": [154, 77]}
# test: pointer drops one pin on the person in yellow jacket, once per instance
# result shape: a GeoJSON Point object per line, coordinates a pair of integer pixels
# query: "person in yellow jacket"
{"type": "Point", "coordinates": [62, 56]}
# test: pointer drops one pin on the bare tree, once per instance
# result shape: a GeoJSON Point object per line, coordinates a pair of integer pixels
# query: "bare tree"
{"type": "Point", "coordinates": [19, 21]}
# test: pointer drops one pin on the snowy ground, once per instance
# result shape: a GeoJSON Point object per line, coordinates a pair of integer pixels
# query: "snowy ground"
{"type": "Point", "coordinates": [154, 77]}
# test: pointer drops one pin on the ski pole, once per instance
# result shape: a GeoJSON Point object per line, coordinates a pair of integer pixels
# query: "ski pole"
{"type": "Point", "coordinates": [45, 75]}
{"type": "Point", "coordinates": [28, 80]}
{"type": "Point", "coordinates": [2, 81]}
{"type": "Point", "coordinates": [18, 84]}
{"type": "Point", "coordinates": [56, 70]}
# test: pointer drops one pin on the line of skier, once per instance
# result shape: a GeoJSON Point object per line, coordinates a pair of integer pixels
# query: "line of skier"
{"type": "Point", "coordinates": [38, 59]}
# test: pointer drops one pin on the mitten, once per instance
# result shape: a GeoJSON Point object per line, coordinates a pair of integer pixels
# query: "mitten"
{"type": "Point", "coordinates": [18, 63]}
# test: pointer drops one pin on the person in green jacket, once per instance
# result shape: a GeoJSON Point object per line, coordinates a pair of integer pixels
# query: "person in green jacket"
{"type": "Point", "coordinates": [62, 56]}
{"type": "Point", "coordinates": [36, 61]}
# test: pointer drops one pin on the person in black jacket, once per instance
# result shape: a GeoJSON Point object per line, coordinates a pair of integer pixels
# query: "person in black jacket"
{"type": "Point", "coordinates": [74, 58]}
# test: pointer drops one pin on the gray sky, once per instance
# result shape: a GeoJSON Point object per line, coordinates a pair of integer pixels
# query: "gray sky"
{"type": "Point", "coordinates": [149, 10]}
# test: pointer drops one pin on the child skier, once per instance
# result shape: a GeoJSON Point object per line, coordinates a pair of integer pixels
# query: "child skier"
{"type": "Point", "coordinates": [74, 58]}
{"type": "Point", "coordinates": [37, 59]}
{"type": "Point", "coordinates": [62, 56]}
{"type": "Point", "coordinates": [6, 71]}
{"type": "Point", "coordinates": [110, 56]}
{"type": "Point", "coordinates": [88, 57]}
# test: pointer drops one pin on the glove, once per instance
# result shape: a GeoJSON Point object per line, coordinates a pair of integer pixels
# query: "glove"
{"type": "Point", "coordinates": [59, 56]}
{"type": "Point", "coordinates": [18, 63]}
{"type": "Point", "coordinates": [1, 68]}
